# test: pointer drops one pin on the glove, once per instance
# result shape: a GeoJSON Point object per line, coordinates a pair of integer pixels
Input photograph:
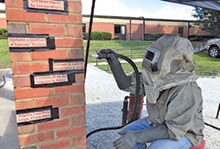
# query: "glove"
{"type": "Point", "coordinates": [130, 138]}
{"type": "Point", "coordinates": [126, 141]}
{"type": "Point", "coordinates": [109, 55]}
{"type": "Point", "coordinates": [121, 78]}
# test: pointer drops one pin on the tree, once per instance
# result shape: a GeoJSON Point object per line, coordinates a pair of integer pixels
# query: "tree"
{"type": "Point", "coordinates": [208, 20]}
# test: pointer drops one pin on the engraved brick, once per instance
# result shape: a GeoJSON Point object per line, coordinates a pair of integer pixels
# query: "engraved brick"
{"type": "Point", "coordinates": [46, 4]}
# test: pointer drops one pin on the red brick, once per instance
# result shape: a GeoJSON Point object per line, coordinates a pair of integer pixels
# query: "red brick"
{"type": "Point", "coordinates": [80, 147]}
{"type": "Point", "coordinates": [27, 129]}
{"type": "Point", "coordinates": [74, 30]}
{"type": "Point", "coordinates": [78, 99]}
{"type": "Point", "coordinates": [31, 93]}
{"type": "Point", "coordinates": [80, 78]}
{"type": "Point", "coordinates": [28, 68]}
{"type": "Point", "coordinates": [55, 101]}
{"type": "Point", "coordinates": [21, 81]}
{"type": "Point", "coordinates": [52, 30]}
{"type": "Point", "coordinates": [56, 124]}
{"type": "Point", "coordinates": [24, 104]}
{"type": "Point", "coordinates": [79, 140]}
{"type": "Point", "coordinates": [55, 54]}
{"type": "Point", "coordinates": [20, 57]}
{"type": "Point", "coordinates": [74, 6]}
{"type": "Point", "coordinates": [13, 3]}
{"type": "Point", "coordinates": [22, 68]}
{"type": "Point", "coordinates": [40, 67]}
{"type": "Point", "coordinates": [72, 111]}
{"type": "Point", "coordinates": [79, 120]}
{"type": "Point", "coordinates": [35, 138]}
{"type": "Point", "coordinates": [56, 144]}
{"type": "Point", "coordinates": [24, 16]}
{"type": "Point", "coordinates": [69, 42]}
{"type": "Point", "coordinates": [71, 132]}
{"type": "Point", "coordinates": [70, 18]}
{"type": "Point", "coordinates": [71, 89]}
{"type": "Point", "coordinates": [75, 54]}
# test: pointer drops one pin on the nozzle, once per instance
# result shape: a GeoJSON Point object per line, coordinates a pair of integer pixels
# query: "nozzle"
{"type": "Point", "coordinates": [100, 55]}
{"type": "Point", "coordinates": [94, 55]}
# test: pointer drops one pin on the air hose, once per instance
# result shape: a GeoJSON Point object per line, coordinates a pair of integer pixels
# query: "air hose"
{"type": "Point", "coordinates": [119, 56]}
{"type": "Point", "coordinates": [137, 90]}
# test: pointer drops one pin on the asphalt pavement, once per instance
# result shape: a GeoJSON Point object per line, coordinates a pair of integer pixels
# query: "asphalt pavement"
{"type": "Point", "coordinates": [104, 102]}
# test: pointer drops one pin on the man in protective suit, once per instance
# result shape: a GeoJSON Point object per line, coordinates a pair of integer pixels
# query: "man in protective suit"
{"type": "Point", "coordinates": [173, 98]}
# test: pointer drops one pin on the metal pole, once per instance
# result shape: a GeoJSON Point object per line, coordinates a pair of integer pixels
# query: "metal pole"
{"type": "Point", "coordinates": [218, 111]}
{"type": "Point", "coordinates": [130, 30]}
{"type": "Point", "coordinates": [143, 29]}
{"type": "Point", "coordinates": [89, 36]}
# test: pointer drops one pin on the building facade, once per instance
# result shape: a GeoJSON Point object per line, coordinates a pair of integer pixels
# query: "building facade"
{"type": "Point", "coordinates": [132, 28]}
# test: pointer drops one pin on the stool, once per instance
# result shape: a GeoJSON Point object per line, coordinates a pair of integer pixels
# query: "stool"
{"type": "Point", "coordinates": [201, 146]}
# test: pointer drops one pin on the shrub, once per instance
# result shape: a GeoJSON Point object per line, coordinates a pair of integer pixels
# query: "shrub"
{"type": "Point", "coordinates": [3, 33]}
{"type": "Point", "coordinates": [99, 36]}
{"type": "Point", "coordinates": [197, 37]}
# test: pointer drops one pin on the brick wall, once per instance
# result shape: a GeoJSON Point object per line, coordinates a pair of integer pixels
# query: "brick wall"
{"type": "Point", "coordinates": [3, 23]}
{"type": "Point", "coordinates": [102, 27]}
{"type": "Point", "coordinates": [136, 31]}
{"type": "Point", "coordinates": [67, 131]}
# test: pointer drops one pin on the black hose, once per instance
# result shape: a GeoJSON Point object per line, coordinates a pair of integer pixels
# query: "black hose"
{"type": "Point", "coordinates": [217, 128]}
{"type": "Point", "coordinates": [89, 36]}
{"type": "Point", "coordinates": [137, 77]}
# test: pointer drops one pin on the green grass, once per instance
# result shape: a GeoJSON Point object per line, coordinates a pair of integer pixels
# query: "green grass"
{"type": "Point", "coordinates": [5, 60]}
{"type": "Point", "coordinates": [115, 44]}
{"type": "Point", "coordinates": [205, 65]}
{"type": "Point", "coordinates": [119, 46]}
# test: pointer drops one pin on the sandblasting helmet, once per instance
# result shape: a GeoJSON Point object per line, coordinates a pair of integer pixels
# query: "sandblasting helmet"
{"type": "Point", "coordinates": [168, 62]}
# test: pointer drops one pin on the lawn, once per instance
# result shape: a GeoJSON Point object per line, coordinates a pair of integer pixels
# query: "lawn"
{"type": "Point", "coordinates": [133, 49]}
{"type": "Point", "coordinates": [5, 60]}
{"type": "Point", "coordinates": [206, 66]}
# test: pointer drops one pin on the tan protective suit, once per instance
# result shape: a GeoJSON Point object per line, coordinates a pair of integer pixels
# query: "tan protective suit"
{"type": "Point", "coordinates": [172, 95]}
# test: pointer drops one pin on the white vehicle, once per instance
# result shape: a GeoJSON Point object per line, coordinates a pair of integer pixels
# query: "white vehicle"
{"type": "Point", "coordinates": [213, 47]}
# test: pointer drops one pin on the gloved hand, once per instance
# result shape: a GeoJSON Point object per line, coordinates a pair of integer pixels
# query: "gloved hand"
{"type": "Point", "coordinates": [121, 78]}
{"type": "Point", "coordinates": [126, 141]}
{"type": "Point", "coordinates": [130, 138]}
{"type": "Point", "coordinates": [109, 55]}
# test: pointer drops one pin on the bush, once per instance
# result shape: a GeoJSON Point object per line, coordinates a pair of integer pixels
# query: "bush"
{"type": "Point", "coordinates": [3, 33]}
{"type": "Point", "coordinates": [152, 37]}
{"type": "Point", "coordinates": [201, 37]}
{"type": "Point", "coordinates": [99, 36]}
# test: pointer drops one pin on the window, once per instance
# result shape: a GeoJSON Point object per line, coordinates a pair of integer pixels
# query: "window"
{"type": "Point", "coordinates": [180, 31]}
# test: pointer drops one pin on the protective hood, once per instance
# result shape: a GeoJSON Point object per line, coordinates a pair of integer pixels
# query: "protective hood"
{"type": "Point", "coordinates": [168, 62]}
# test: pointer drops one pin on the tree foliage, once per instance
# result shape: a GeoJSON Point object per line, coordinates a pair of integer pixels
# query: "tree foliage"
{"type": "Point", "coordinates": [209, 20]}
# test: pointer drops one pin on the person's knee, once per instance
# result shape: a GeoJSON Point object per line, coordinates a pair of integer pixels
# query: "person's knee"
{"type": "Point", "coordinates": [184, 143]}
{"type": "Point", "coordinates": [159, 145]}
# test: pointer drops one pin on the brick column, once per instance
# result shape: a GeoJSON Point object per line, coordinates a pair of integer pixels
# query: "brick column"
{"type": "Point", "coordinates": [46, 46]}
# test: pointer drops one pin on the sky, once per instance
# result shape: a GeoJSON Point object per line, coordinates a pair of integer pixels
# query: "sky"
{"type": "Point", "coordinates": [137, 8]}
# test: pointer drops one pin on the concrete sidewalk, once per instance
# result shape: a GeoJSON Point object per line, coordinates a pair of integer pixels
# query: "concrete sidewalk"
{"type": "Point", "coordinates": [8, 128]}
{"type": "Point", "coordinates": [104, 102]}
